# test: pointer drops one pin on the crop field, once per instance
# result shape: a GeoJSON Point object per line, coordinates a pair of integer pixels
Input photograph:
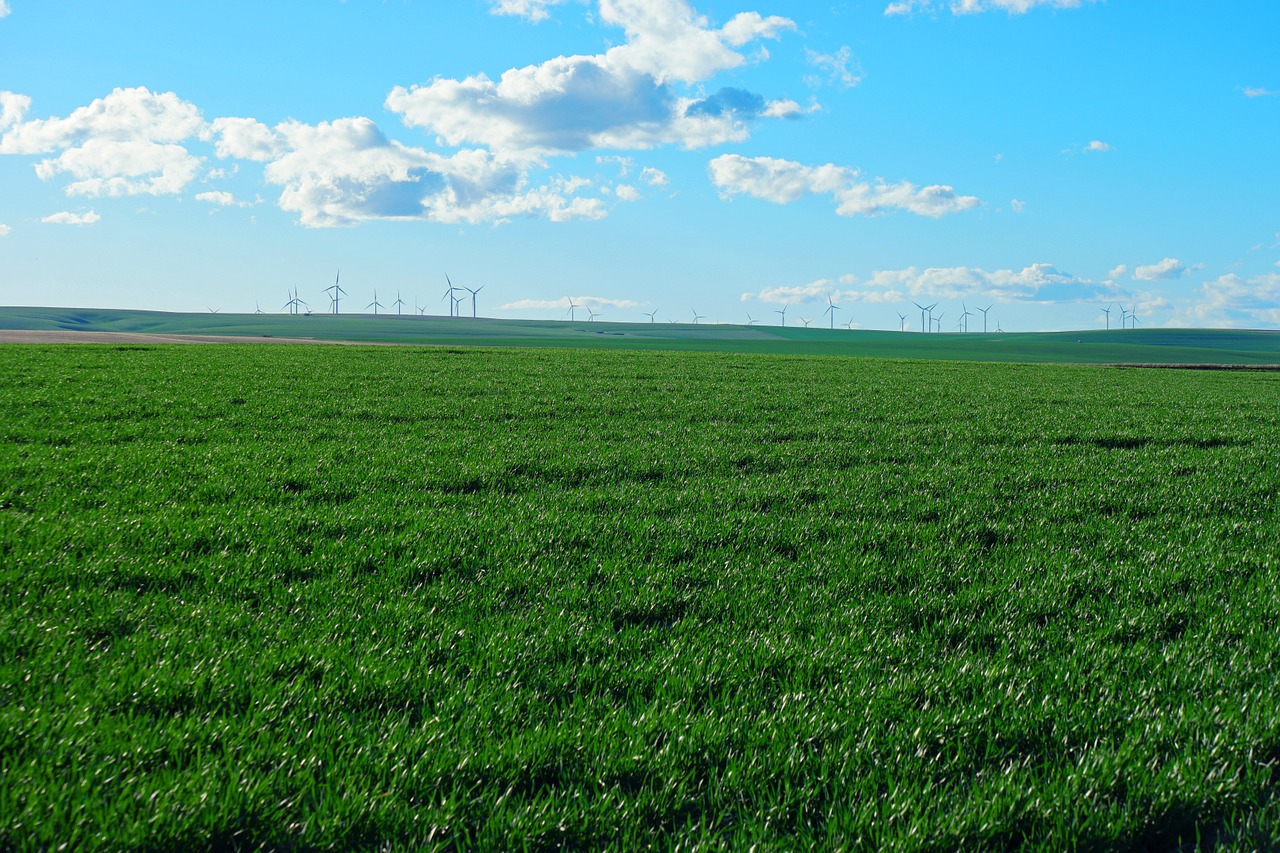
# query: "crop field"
{"type": "Point", "coordinates": [298, 597]}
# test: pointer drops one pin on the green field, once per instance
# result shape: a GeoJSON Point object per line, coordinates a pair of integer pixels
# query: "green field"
{"type": "Point", "coordinates": [1135, 346]}
{"type": "Point", "coordinates": [312, 598]}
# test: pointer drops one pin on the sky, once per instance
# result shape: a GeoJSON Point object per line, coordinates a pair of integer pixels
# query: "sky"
{"type": "Point", "coordinates": [1062, 164]}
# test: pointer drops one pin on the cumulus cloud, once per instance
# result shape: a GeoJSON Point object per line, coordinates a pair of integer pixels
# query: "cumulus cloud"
{"type": "Point", "coordinates": [221, 198]}
{"type": "Point", "coordinates": [1017, 205]}
{"type": "Point", "coordinates": [13, 108]}
{"type": "Point", "coordinates": [127, 143]}
{"type": "Point", "coordinates": [624, 98]}
{"type": "Point", "coordinates": [1037, 283]}
{"type": "Point", "coordinates": [654, 177]}
{"type": "Point", "coordinates": [1234, 301]}
{"type": "Point", "coordinates": [1098, 145]}
{"type": "Point", "coordinates": [347, 171]}
{"type": "Point", "coordinates": [68, 218]}
{"type": "Point", "coordinates": [4, 8]}
{"type": "Point", "coordinates": [785, 181]}
{"type": "Point", "coordinates": [5, 230]}
{"type": "Point", "coordinates": [1166, 270]}
{"type": "Point", "coordinates": [533, 10]}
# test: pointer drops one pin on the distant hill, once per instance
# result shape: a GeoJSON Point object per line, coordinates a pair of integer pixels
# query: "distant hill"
{"type": "Point", "coordinates": [1191, 347]}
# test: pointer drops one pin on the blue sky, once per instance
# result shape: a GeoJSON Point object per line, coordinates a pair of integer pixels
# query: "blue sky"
{"type": "Point", "coordinates": [1047, 158]}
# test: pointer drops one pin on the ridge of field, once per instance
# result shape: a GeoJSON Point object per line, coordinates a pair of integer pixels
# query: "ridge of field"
{"type": "Point", "coordinates": [1133, 346]}
{"type": "Point", "coordinates": [307, 598]}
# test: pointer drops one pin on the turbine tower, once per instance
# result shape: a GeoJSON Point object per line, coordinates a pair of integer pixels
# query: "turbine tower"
{"type": "Point", "coordinates": [902, 322]}
{"type": "Point", "coordinates": [832, 308]}
{"type": "Point", "coordinates": [375, 304]}
{"type": "Point", "coordinates": [984, 316]}
{"type": "Point", "coordinates": [783, 312]}
{"type": "Point", "coordinates": [473, 298]}
{"type": "Point", "coordinates": [572, 305]}
{"type": "Point", "coordinates": [651, 314]}
{"type": "Point", "coordinates": [399, 303]}
{"type": "Point", "coordinates": [1107, 311]}
{"type": "Point", "coordinates": [335, 290]}
{"type": "Point", "coordinates": [448, 294]}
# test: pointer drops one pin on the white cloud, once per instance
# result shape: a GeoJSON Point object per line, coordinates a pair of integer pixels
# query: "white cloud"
{"type": "Point", "coordinates": [1166, 270]}
{"type": "Point", "coordinates": [533, 10]}
{"type": "Point", "coordinates": [1118, 271]}
{"type": "Point", "coordinates": [67, 218]}
{"type": "Point", "coordinates": [5, 230]}
{"type": "Point", "coordinates": [1098, 145]}
{"type": "Point", "coordinates": [346, 171]}
{"type": "Point", "coordinates": [13, 108]}
{"type": "Point", "coordinates": [1258, 92]}
{"type": "Point", "coordinates": [654, 177]}
{"type": "Point", "coordinates": [623, 98]}
{"type": "Point", "coordinates": [1013, 7]}
{"type": "Point", "coordinates": [581, 303]}
{"type": "Point", "coordinates": [4, 8]}
{"type": "Point", "coordinates": [1037, 283]}
{"type": "Point", "coordinates": [839, 68]}
{"type": "Point", "coordinates": [626, 192]}
{"type": "Point", "coordinates": [785, 181]}
{"type": "Point", "coordinates": [127, 143]}
{"type": "Point", "coordinates": [245, 139]}
{"type": "Point", "coordinates": [221, 198]}
{"type": "Point", "coordinates": [969, 7]}
{"type": "Point", "coordinates": [1234, 301]}
{"type": "Point", "coordinates": [1017, 205]}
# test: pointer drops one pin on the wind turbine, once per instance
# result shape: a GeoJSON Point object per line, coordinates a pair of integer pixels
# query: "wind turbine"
{"type": "Point", "coordinates": [1124, 312]}
{"type": "Point", "coordinates": [336, 291]}
{"type": "Point", "coordinates": [902, 322]}
{"type": "Point", "coordinates": [213, 310]}
{"type": "Point", "coordinates": [448, 294]}
{"type": "Point", "coordinates": [806, 322]}
{"type": "Point", "coordinates": [697, 317]}
{"type": "Point", "coordinates": [375, 304]}
{"type": "Point", "coordinates": [938, 321]}
{"type": "Point", "coordinates": [984, 316]}
{"type": "Point", "coordinates": [591, 315]}
{"type": "Point", "coordinates": [1133, 316]}
{"type": "Point", "coordinates": [783, 312]}
{"type": "Point", "coordinates": [751, 321]}
{"type": "Point", "coordinates": [1107, 311]}
{"type": "Point", "coordinates": [651, 314]}
{"type": "Point", "coordinates": [964, 317]}
{"type": "Point", "coordinates": [832, 308]}
{"type": "Point", "coordinates": [398, 303]}
{"type": "Point", "coordinates": [473, 298]}
{"type": "Point", "coordinates": [999, 330]}
{"type": "Point", "coordinates": [572, 305]}
{"type": "Point", "coordinates": [257, 309]}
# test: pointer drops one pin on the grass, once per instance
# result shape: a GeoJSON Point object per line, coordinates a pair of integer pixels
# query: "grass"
{"type": "Point", "coordinates": [1140, 346]}
{"type": "Point", "coordinates": [328, 598]}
